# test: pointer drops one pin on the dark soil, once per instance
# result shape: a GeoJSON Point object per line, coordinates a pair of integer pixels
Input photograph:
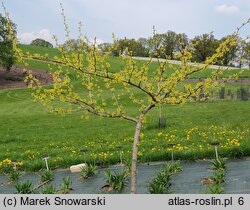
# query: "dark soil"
{"type": "Point", "coordinates": [244, 81]}
{"type": "Point", "coordinates": [15, 77]}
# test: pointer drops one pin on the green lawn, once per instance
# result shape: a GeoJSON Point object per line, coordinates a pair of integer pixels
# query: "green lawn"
{"type": "Point", "coordinates": [28, 130]}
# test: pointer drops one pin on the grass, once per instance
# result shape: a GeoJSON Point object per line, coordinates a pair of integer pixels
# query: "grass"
{"type": "Point", "coordinates": [28, 130]}
{"type": "Point", "coordinates": [41, 50]}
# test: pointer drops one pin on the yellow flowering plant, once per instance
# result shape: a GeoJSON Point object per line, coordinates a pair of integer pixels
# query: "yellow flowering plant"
{"type": "Point", "coordinates": [95, 79]}
{"type": "Point", "coordinates": [8, 166]}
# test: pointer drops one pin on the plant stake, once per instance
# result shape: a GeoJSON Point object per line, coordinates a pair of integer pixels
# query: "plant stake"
{"type": "Point", "coordinates": [172, 151]}
{"type": "Point", "coordinates": [215, 144]}
{"type": "Point", "coordinates": [45, 158]}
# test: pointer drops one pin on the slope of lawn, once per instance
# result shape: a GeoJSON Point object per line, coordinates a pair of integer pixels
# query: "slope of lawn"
{"type": "Point", "coordinates": [40, 50]}
{"type": "Point", "coordinates": [115, 62]}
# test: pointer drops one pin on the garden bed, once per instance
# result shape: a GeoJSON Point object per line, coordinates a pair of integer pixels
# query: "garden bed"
{"type": "Point", "coordinates": [14, 78]}
{"type": "Point", "coordinates": [188, 181]}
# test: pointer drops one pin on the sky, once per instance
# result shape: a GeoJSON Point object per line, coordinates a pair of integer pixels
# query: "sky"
{"type": "Point", "coordinates": [127, 18]}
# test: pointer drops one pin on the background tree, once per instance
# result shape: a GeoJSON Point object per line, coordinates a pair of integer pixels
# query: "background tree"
{"type": "Point", "coordinates": [229, 56]}
{"type": "Point", "coordinates": [7, 55]}
{"type": "Point", "coordinates": [156, 46]}
{"type": "Point", "coordinates": [246, 54]}
{"type": "Point", "coordinates": [243, 53]}
{"type": "Point", "coordinates": [169, 42]}
{"type": "Point", "coordinates": [41, 43]}
{"type": "Point", "coordinates": [145, 47]}
{"type": "Point", "coordinates": [104, 47]}
{"type": "Point", "coordinates": [74, 44]}
{"type": "Point", "coordinates": [204, 46]}
{"type": "Point", "coordinates": [131, 45]}
{"type": "Point", "coordinates": [182, 42]}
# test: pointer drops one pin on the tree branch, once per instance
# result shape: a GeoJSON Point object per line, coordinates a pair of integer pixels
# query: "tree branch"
{"type": "Point", "coordinates": [95, 112]}
{"type": "Point", "coordinates": [96, 73]}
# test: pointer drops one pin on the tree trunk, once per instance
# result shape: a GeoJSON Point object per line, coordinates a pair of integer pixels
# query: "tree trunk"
{"type": "Point", "coordinates": [135, 156]}
{"type": "Point", "coordinates": [135, 148]}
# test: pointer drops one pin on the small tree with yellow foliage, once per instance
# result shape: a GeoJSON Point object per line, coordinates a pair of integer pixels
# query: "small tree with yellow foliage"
{"type": "Point", "coordinates": [99, 88]}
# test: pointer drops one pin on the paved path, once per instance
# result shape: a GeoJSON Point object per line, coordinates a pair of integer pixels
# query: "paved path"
{"type": "Point", "coordinates": [179, 62]}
